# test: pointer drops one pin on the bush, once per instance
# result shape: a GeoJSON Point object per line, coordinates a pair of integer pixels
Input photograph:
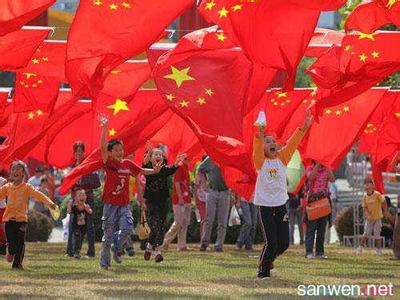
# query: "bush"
{"type": "Point", "coordinates": [39, 227]}
{"type": "Point", "coordinates": [344, 222]}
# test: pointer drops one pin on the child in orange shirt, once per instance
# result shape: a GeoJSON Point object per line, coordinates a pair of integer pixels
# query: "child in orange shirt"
{"type": "Point", "coordinates": [15, 215]}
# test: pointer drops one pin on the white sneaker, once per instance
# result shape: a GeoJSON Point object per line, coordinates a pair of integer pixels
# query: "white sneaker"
{"type": "Point", "coordinates": [309, 256]}
{"type": "Point", "coordinates": [359, 250]}
{"type": "Point", "coordinates": [378, 252]}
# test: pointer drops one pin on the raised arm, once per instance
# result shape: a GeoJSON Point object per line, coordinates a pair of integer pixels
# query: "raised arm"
{"type": "Point", "coordinates": [147, 157]}
{"type": "Point", "coordinates": [103, 142]}
{"type": "Point", "coordinates": [258, 149]}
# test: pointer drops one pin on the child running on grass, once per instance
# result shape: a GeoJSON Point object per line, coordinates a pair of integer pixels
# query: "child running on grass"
{"type": "Point", "coordinates": [271, 192]}
{"type": "Point", "coordinates": [372, 203]}
{"type": "Point", "coordinates": [156, 195]}
{"type": "Point", "coordinates": [80, 211]}
{"type": "Point", "coordinates": [117, 206]}
{"type": "Point", "coordinates": [15, 215]}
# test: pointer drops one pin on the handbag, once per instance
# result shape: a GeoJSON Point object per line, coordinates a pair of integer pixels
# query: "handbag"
{"type": "Point", "coordinates": [318, 206]}
{"type": "Point", "coordinates": [144, 229]}
{"type": "Point", "coordinates": [234, 218]}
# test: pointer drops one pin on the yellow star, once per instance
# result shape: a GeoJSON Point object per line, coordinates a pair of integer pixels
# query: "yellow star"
{"type": "Point", "coordinates": [209, 92]}
{"type": "Point", "coordinates": [40, 81]}
{"type": "Point", "coordinates": [369, 36]}
{"type": "Point", "coordinates": [221, 37]}
{"type": "Point", "coordinates": [313, 93]}
{"type": "Point", "coordinates": [31, 115]}
{"type": "Point", "coordinates": [375, 54]}
{"type": "Point", "coordinates": [223, 12]}
{"type": "Point", "coordinates": [113, 6]}
{"type": "Point", "coordinates": [305, 101]}
{"type": "Point", "coordinates": [118, 106]}
{"type": "Point", "coordinates": [35, 61]}
{"type": "Point", "coordinates": [34, 85]}
{"type": "Point", "coordinates": [237, 7]}
{"type": "Point", "coordinates": [21, 82]}
{"type": "Point", "coordinates": [111, 132]}
{"type": "Point", "coordinates": [282, 104]}
{"type": "Point", "coordinates": [390, 3]}
{"type": "Point", "coordinates": [397, 114]}
{"type": "Point", "coordinates": [338, 112]}
{"type": "Point", "coordinates": [115, 72]}
{"type": "Point", "coordinates": [39, 112]}
{"type": "Point", "coordinates": [347, 48]}
{"type": "Point", "coordinates": [281, 94]}
{"type": "Point", "coordinates": [45, 58]}
{"type": "Point", "coordinates": [287, 100]}
{"type": "Point", "coordinates": [179, 75]}
{"type": "Point", "coordinates": [97, 3]}
{"type": "Point", "coordinates": [346, 109]}
{"type": "Point", "coordinates": [210, 5]}
{"type": "Point", "coordinates": [126, 5]}
{"type": "Point", "coordinates": [363, 57]}
{"type": "Point", "coordinates": [328, 111]}
{"type": "Point", "coordinates": [313, 101]}
{"type": "Point", "coordinates": [201, 101]}
{"type": "Point", "coordinates": [170, 97]}
{"type": "Point", "coordinates": [184, 103]}
{"type": "Point", "coordinates": [276, 103]}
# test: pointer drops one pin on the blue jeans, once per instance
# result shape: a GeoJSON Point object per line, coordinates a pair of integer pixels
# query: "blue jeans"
{"type": "Point", "coordinates": [249, 225]}
{"type": "Point", "coordinates": [117, 227]}
{"type": "Point", "coordinates": [315, 227]}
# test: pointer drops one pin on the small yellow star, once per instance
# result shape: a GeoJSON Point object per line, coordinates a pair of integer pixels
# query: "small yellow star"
{"type": "Point", "coordinates": [276, 103]}
{"type": "Point", "coordinates": [369, 36]}
{"type": "Point", "coordinates": [113, 6]}
{"type": "Point", "coordinates": [283, 104]}
{"type": "Point", "coordinates": [313, 101]}
{"type": "Point", "coordinates": [31, 115]}
{"type": "Point", "coordinates": [126, 5]}
{"type": "Point", "coordinates": [115, 72]}
{"type": "Point", "coordinates": [363, 57]}
{"type": "Point", "coordinates": [328, 111]}
{"type": "Point", "coordinates": [237, 7]}
{"type": "Point", "coordinates": [347, 48]}
{"type": "Point", "coordinates": [97, 3]}
{"type": "Point", "coordinates": [210, 5]}
{"type": "Point", "coordinates": [346, 109]}
{"type": "Point", "coordinates": [21, 82]}
{"type": "Point", "coordinates": [40, 81]}
{"type": "Point", "coordinates": [375, 54]}
{"type": "Point", "coordinates": [223, 12]}
{"type": "Point", "coordinates": [45, 58]}
{"type": "Point", "coordinates": [397, 114]}
{"type": "Point", "coordinates": [281, 94]}
{"type": "Point", "coordinates": [313, 93]}
{"type": "Point", "coordinates": [170, 97]}
{"type": "Point", "coordinates": [179, 75]}
{"type": "Point", "coordinates": [209, 92]}
{"type": "Point", "coordinates": [305, 101]}
{"type": "Point", "coordinates": [221, 37]}
{"type": "Point", "coordinates": [201, 101]}
{"type": "Point", "coordinates": [39, 112]}
{"type": "Point", "coordinates": [35, 61]}
{"type": "Point", "coordinates": [184, 103]}
{"type": "Point", "coordinates": [338, 112]}
{"type": "Point", "coordinates": [34, 85]}
{"type": "Point", "coordinates": [112, 132]}
{"type": "Point", "coordinates": [288, 101]}
{"type": "Point", "coordinates": [118, 106]}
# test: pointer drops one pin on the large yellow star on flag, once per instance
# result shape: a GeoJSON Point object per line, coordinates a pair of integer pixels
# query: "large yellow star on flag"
{"type": "Point", "coordinates": [369, 36]}
{"type": "Point", "coordinates": [281, 94]}
{"type": "Point", "coordinates": [179, 76]}
{"type": "Point", "coordinates": [397, 114]}
{"type": "Point", "coordinates": [112, 132]}
{"type": "Point", "coordinates": [113, 6]}
{"type": "Point", "coordinates": [118, 106]}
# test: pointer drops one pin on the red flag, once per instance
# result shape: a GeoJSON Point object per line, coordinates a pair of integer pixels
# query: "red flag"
{"type": "Point", "coordinates": [118, 31]}
{"type": "Point", "coordinates": [283, 28]}
{"type": "Point", "coordinates": [323, 5]}
{"type": "Point", "coordinates": [369, 17]}
{"type": "Point", "coordinates": [16, 13]}
{"type": "Point", "coordinates": [17, 48]}
{"type": "Point", "coordinates": [377, 169]}
{"type": "Point", "coordinates": [362, 61]}
{"type": "Point", "coordinates": [330, 140]}
{"type": "Point", "coordinates": [5, 110]}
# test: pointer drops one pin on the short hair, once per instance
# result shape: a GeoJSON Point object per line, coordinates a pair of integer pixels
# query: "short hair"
{"type": "Point", "coordinates": [78, 145]}
{"type": "Point", "coordinates": [112, 143]}
{"type": "Point", "coordinates": [18, 163]}
{"type": "Point", "coordinates": [368, 180]}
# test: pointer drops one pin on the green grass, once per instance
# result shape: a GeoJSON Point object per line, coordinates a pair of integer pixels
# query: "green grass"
{"type": "Point", "coordinates": [191, 274]}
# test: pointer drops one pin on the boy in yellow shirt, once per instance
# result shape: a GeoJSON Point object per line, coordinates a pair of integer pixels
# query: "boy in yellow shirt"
{"type": "Point", "coordinates": [15, 215]}
{"type": "Point", "coordinates": [372, 204]}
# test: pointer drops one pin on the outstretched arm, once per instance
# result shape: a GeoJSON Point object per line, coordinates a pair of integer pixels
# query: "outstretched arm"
{"type": "Point", "coordinates": [39, 196]}
{"type": "Point", "coordinates": [103, 143]}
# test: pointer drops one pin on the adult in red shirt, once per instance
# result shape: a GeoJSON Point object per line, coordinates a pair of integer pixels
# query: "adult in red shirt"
{"type": "Point", "coordinates": [116, 212]}
{"type": "Point", "coordinates": [181, 202]}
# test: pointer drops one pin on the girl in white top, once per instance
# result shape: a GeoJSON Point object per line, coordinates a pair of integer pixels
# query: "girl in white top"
{"type": "Point", "coordinates": [271, 192]}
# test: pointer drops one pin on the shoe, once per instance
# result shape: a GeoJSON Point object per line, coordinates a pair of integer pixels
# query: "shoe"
{"type": "Point", "coordinates": [321, 256]}
{"type": "Point", "coordinates": [68, 255]}
{"type": "Point", "coordinates": [218, 249]}
{"type": "Point", "coordinates": [77, 256]}
{"type": "Point", "coordinates": [3, 250]}
{"type": "Point", "coordinates": [131, 252]}
{"type": "Point", "coordinates": [9, 258]}
{"type": "Point", "coordinates": [378, 252]}
{"type": "Point", "coordinates": [116, 255]}
{"type": "Point", "coordinates": [359, 250]}
{"type": "Point", "coordinates": [309, 256]}
{"type": "Point", "coordinates": [158, 258]}
{"type": "Point", "coordinates": [203, 248]}
{"type": "Point", "coordinates": [264, 275]}
{"type": "Point", "coordinates": [147, 254]}
{"type": "Point", "coordinates": [88, 256]}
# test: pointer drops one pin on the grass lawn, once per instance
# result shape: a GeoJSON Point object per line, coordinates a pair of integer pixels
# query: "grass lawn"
{"type": "Point", "coordinates": [192, 274]}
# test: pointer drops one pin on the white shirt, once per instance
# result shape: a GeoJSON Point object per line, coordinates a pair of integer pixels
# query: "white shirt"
{"type": "Point", "coordinates": [2, 201]}
{"type": "Point", "coordinates": [35, 182]}
{"type": "Point", "coordinates": [271, 184]}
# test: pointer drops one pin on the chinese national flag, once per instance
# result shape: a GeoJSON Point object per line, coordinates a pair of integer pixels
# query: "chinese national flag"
{"type": "Point", "coordinates": [17, 48]}
{"type": "Point", "coordinates": [323, 5]}
{"type": "Point", "coordinates": [34, 92]}
{"type": "Point", "coordinates": [369, 17]}
{"type": "Point", "coordinates": [118, 31]}
{"type": "Point", "coordinates": [272, 33]}
{"type": "Point", "coordinates": [377, 169]}
{"type": "Point", "coordinates": [16, 13]}
{"type": "Point", "coordinates": [329, 140]}
{"type": "Point", "coordinates": [152, 114]}
{"type": "Point", "coordinates": [5, 110]}
{"type": "Point", "coordinates": [362, 61]}
{"type": "Point", "coordinates": [209, 88]}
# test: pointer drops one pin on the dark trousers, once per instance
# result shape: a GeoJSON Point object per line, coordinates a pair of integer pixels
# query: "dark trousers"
{"type": "Point", "coordinates": [78, 234]}
{"type": "Point", "coordinates": [156, 218]}
{"type": "Point", "coordinates": [275, 226]}
{"type": "Point", "coordinates": [315, 227]}
{"type": "Point", "coordinates": [15, 232]}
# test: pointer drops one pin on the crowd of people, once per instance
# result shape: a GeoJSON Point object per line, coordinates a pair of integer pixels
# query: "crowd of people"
{"type": "Point", "coordinates": [312, 208]}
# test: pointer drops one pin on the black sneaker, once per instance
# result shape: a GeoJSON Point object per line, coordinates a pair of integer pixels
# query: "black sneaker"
{"type": "Point", "coordinates": [264, 275]}
{"type": "Point", "coordinates": [131, 252]}
{"type": "Point", "coordinates": [203, 248]}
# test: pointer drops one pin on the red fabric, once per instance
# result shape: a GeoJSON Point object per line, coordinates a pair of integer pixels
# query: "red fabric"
{"type": "Point", "coordinates": [331, 139]}
{"type": "Point", "coordinates": [5, 110]}
{"type": "Point", "coordinates": [182, 178]}
{"type": "Point", "coordinates": [360, 63]}
{"type": "Point", "coordinates": [12, 54]}
{"type": "Point", "coordinates": [377, 169]}
{"type": "Point", "coordinates": [220, 80]}
{"type": "Point", "coordinates": [118, 31]}
{"type": "Point", "coordinates": [116, 186]}
{"type": "Point", "coordinates": [324, 5]}
{"type": "Point", "coordinates": [16, 13]}
{"type": "Point", "coordinates": [369, 17]}
{"type": "Point", "coordinates": [273, 33]}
